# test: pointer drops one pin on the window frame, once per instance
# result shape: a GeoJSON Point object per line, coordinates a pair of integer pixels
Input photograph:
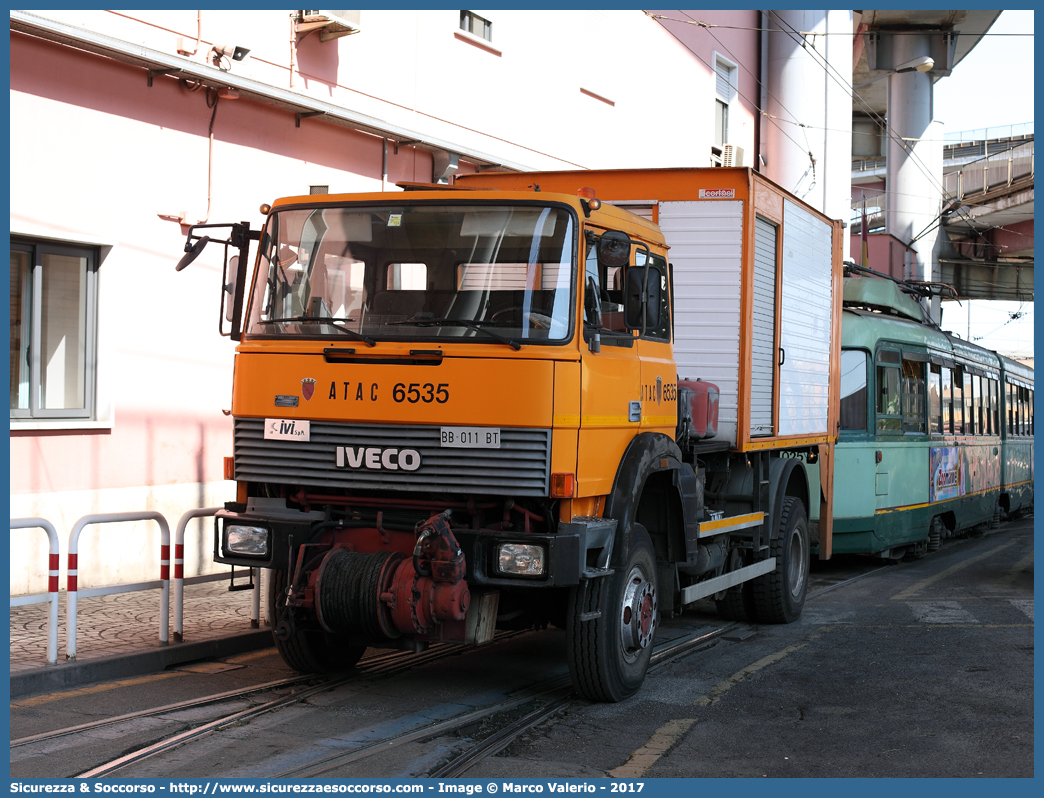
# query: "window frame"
{"type": "Point", "coordinates": [37, 249]}
{"type": "Point", "coordinates": [883, 360]}
{"type": "Point", "coordinates": [868, 410]}
{"type": "Point", "coordinates": [470, 18]}
{"type": "Point", "coordinates": [730, 68]}
{"type": "Point", "coordinates": [909, 397]}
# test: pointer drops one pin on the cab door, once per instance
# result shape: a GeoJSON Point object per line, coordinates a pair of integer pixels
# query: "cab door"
{"type": "Point", "coordinates": [658, 391]}
{"type": "Point", "coordinates": [610, 377]}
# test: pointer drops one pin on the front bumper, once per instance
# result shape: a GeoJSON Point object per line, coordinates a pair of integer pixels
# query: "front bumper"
{"type": "Point", "coordinates": [564, 558]}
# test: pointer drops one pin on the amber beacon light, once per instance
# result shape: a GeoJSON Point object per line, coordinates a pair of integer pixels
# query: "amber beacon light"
{"type": "Point", "coordinates": [589, 194]}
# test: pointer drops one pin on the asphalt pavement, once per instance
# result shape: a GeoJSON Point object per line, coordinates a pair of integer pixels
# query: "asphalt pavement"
{"type": "Point", "coordinates": [920, 670]}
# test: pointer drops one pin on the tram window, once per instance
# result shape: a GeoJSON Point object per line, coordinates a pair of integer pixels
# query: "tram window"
{"type": "Point", "coordinates": [1011, 408]}
{"type": "Point", "coordinates": [913, 397]}
{"type": "Point", "coordinates": [969, 412]}
{"type": "Point", "coordinates": [1022, 411]}
{"type": "Point", "coordinates": [888, 407]}
{"type": "Point", "coordinates": [1029, 412]}
{"type": "Point", "coordinates": [995, 408]}
{"type": "Point", "coordinates": [853, 390]}
{"type": "Point", "coordinates": [980, 418]}
{"type": "Point", "coordinates": [958, 401]}
{"type": "Point", "coordinates": [935, 400]}
{"type": "Point", "coordinates": [987, 408]}
{"type": "Point", "coordinates": [947, 401]}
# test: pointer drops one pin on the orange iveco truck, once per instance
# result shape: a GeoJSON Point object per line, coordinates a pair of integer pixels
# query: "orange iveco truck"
{"type": "Point", "coordinates": [584, 399]}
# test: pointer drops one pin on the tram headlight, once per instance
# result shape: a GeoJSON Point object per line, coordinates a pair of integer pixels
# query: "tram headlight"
{"type": "Point", "coordinates": [248, 541]}
{"type": "Point", "coordinates": [521, 559]}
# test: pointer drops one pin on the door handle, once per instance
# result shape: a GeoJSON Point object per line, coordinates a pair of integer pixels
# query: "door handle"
{"type": "Point", "coordinates": [782, 356]}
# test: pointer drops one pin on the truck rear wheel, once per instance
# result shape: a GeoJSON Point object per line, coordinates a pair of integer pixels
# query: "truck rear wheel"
{"type": "Point", "coordinates": [779, 595]}
{"type": "Point", "coordinates": [306, 650]}
{"type": "Point", "coordinates": [736, 603]}
{"type": "Point", "coordinates": [611, 624]}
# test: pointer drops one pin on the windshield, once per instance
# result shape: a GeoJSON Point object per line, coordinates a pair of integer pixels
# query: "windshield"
{"type": "Point", "coordinates": [491, 273]}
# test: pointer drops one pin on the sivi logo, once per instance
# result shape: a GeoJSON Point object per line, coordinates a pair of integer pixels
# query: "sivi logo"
{"type": "Point", "coordinates": [378, 459]}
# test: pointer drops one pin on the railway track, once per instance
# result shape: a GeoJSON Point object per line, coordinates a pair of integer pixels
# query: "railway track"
{"type": "Point", "coordinates": [501, 739]}
{"type": "Point", "coordinates": [512, 716]}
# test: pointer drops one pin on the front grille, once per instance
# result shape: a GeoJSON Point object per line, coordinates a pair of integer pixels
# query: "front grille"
{"type": "Point", "coordinates": [521, 466]}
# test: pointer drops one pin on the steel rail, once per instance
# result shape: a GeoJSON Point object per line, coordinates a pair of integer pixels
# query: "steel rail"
{"type": "Point", "coordinates": [557, 689]}
{"type": "Point", "coordinates": [504, 737]}
{"type": "Point", "coordinates": [145, 713]}
{"type": "Point", "coordinates": [559, 694]}
{"type": "Point", "coordinates": [367, 665]}
{"type": "Point", "coordinates": [380, 666]}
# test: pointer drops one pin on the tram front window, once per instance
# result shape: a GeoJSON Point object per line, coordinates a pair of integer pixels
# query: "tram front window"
{"type": "Point", "coordinates": [853, 390]}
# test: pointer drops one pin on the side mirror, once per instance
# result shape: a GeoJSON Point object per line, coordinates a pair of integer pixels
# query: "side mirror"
{"type": "Point", "coordinates": [614, 249]}
{"type": "Point", "coordinates": [192, 253]}
{"type": "Point", "coordinates": [639, 298]}
{"type": "Point", "coordinates": [652, 300]}
{"type": "Point", "coordinates": [230, 289]}
{"type": "Point", "coordinates": [633, 297]}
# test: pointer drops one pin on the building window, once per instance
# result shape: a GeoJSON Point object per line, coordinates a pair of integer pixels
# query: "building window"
{"type": "Point", "coordinates": [476, 25]}
{"type": "Point", "coordinates": [724, 89]}
{"type": "Point", "coordinates": [52, 331]}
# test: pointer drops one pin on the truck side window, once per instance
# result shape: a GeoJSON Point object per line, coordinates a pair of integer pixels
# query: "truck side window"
{"type": "Point", "coordinates": [659, 294]}
{"type": "Point", "coordinates": [601, 296]}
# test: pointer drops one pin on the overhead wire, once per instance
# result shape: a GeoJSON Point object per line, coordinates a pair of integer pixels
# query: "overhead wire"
{"type": "Point", "coordinates": [757, 80]}
{"type": "Point", "coordinates": [848, 87]}
{"type": "Point", "coordinates": [701, 24]}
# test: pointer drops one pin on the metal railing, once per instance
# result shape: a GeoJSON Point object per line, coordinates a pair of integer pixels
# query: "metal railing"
{"type": "Point", "coordinates": [72, 579]}
{"type": "Point", "coordinates": [51, 596]}
{"type": "Point", "coordinates": [987, 133]}
{"type": "Point", "coordinates": [993, 172]}
{"type": "Point", "coordinates": [73, 560]}
{"type": "Point", "coordinates": [180, 581]}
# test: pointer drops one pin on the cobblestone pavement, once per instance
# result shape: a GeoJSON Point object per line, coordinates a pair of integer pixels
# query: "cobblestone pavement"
{"type": "Point", "coordinates": [127, 623]}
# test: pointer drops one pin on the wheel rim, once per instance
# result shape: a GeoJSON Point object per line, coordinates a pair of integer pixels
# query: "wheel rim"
{"type": "Point", "coordinates": [637, 613]}
{"type": "Point", "coordinates": [798, 564]}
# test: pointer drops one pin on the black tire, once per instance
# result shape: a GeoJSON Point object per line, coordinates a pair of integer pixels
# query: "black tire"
{"type": "Point", "coordinates": [779, 595]}
{"type": "Point", "coordinates": [738, 604]}
{"type": "Point", "coordinates": [936, 533]}
{"type": "Point", "coordinates": [306, 650]}
{"type": "Point", "coordinates": [609, 655]}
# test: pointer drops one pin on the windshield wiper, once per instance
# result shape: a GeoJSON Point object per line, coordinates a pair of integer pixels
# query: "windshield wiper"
{"type": "Point", "coordinates": [326, 320]}
{"type": "Point", "coordinates": [471, 325]}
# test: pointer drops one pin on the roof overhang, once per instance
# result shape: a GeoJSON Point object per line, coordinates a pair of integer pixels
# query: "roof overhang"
{"type": "Point", "coordinates": [157, 63]}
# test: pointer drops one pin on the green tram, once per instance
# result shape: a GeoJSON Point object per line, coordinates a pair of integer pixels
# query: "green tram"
{"type": "Point", "coordinates": [936, 434]}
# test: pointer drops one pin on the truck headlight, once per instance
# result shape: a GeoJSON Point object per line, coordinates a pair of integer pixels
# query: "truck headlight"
{"type": "Point", "coordinates": [521, 559]}
{"type": "Point", "coordinates": [250, 541]}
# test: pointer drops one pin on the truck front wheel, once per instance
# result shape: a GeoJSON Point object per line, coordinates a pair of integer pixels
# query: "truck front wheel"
{"type": "Point", "coordinates": [305, 650]}
{"type": "Point", "coordinates": [779, 595]}
{"type": "Point", "coordinates": [611, 624]}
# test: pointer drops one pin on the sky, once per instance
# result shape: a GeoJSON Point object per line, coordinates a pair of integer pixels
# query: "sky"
{"type": "Point", "coordinates": [979, 95]}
